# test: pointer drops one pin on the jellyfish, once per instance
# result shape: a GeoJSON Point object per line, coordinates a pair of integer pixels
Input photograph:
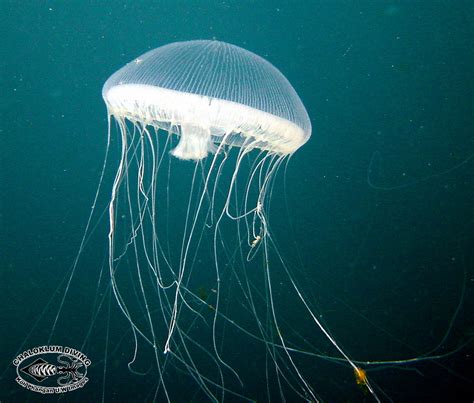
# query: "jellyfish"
{"type": "Point", "coordinates": [204, 128]}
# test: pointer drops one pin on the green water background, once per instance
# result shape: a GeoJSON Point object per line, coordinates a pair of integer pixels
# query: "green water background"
{"type": "Point", "coordinates": [388, 86]}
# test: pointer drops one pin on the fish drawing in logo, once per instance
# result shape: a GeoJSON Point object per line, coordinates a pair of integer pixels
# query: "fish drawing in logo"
{"type": "Point", "coordinates": [68, 372]}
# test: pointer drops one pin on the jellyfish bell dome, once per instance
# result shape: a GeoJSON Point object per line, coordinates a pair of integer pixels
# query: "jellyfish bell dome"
{"type": "Point", "coordinates": [209, 92]}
